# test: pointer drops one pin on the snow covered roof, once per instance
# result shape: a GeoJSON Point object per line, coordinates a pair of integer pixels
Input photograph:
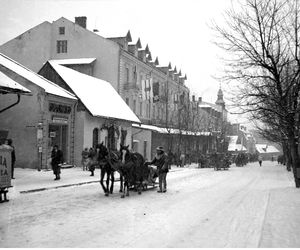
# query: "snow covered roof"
{"type": "Point", "coordinates": [233, 146]}
{"type": "Point", "coordinates": [204, 106]}
{"type": "Point", "coordinates": [8, 85]}
{"type": "Point", "coordinates": [171, 130]}
{"type": "Point", "coordinates": [265, 149]}
{"type": "Point", "coordinates": [211, 105]}
{"type": "Point", "coordinates": [236, 147]}
{"type": "Point", "coordinates": [99, 97]}
{"type": "Point", "coordinates": [33, 77]}
{"type": "Point", "coordinates": [74, 61]}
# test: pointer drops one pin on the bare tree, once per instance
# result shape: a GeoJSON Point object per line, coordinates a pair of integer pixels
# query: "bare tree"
{"type": "Point", "coordinates": [262, 39]}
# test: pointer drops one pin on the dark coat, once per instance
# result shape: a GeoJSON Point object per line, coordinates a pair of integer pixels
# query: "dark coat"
{"type": "Point", "coordinates": [13, 155]}
{"type": "Point", "coordinates": [161, 163]}
{"type": "Point", "coordinates": [57, 158]}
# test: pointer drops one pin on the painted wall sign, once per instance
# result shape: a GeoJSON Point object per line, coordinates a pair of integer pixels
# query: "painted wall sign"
{"type": "Point", "coordinates": [59, 108]}
{"type": "Point", "coordinates": [5, 167]}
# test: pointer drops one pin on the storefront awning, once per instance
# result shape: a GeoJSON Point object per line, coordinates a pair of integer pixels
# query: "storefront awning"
{"type": "Point", "coordinates": [98, 96]}
{"type": "Point", "coordinates": [170, 130]}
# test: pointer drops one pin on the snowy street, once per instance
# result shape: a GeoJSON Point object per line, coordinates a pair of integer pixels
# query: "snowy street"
{"type": "Point", "coordinates": [250, 206]}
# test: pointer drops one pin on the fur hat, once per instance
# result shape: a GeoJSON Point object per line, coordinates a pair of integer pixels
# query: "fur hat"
{"type": "Point", "coordinates": [160, 148]}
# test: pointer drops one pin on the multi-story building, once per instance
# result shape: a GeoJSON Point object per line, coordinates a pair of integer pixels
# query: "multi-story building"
{"type": "Point", "coordinates": [153, 92]}
{"type": "Point", "coordinates": [156, 94]}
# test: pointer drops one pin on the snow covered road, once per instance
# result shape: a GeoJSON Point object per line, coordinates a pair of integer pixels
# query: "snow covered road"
{"type": "Point", "coordinates": [241, 207]}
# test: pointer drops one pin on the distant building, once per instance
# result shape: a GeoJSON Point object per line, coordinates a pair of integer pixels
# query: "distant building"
{"type": "Point", "coordinates": [241, 140]}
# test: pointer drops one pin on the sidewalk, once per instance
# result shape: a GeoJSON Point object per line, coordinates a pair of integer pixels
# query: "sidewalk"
{"type": "Point", "coordinates": [30, 180]}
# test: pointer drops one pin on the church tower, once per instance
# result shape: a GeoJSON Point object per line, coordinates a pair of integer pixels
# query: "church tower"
{"type": "Point", "coordinates": [220, 101]}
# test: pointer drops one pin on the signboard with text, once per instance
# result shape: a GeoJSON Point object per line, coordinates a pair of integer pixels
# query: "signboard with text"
{"type": "Point", "coordinates": [5, 167]}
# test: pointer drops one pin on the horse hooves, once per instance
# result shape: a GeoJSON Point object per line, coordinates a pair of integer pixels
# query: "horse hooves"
{"type": "Point", "coordinates": [122, 196]}
{"type": "Point", "coordinates": [106, 194]}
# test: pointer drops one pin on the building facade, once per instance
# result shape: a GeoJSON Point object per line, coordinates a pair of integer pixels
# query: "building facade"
{"type": "Point", "coordinates": [40, 121]}
{"type": "Point", "coordinates": [157, 94]}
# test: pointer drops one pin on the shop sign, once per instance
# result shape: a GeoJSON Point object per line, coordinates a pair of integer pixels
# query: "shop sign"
{"type": "Point", "coordinates": [39, 134]}
{"type": "Point", "coordinates": [5, 167]}
{"type": "Point", "coordinates": [52, 134]}
{"type": "Point", "coordinates": [57, 119]}
{"type": "Point", "coordinates": [59, 108]}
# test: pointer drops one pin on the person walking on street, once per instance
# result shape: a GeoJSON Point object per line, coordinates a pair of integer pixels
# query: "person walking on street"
{"type": "Point", "coordinates": [161, 161]}
{"type": "Point", "coordinates": [182, 160]}
{"type": "Point", "coordinates": [84, 158]}
{"type": "Point", "coordinates": [9, 142]}
{"type": "Point", "coordinates": [260, 160]}
{"type": "Point", "coordinates": [93, 159]}
{"type": "Point", "coordinates": [56, 161]}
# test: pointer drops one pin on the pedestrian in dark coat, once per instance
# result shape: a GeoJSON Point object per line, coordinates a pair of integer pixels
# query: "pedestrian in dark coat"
{"type": "Point", "coordinates": [93, 160]}
{"type": "Point", "coordinates": [56, 161]}
{"type": "Point", "coordinates": [13, 156]}
{"type": "Point", "coordinates": [161, 161]}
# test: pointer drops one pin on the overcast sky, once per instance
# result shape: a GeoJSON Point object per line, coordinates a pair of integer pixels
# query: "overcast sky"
{"type": "Point", "coordinates": [177, 31]}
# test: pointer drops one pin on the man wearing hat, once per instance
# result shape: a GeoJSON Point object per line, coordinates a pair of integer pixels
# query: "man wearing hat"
{"type": "Point", "coordinates": [161, 161]}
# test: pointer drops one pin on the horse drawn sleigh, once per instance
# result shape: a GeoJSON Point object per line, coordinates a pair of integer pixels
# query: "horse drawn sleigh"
{"type": "Point", "coordinates": [134, 173]}
{"type": "Point", "coordinates": [220, 161]}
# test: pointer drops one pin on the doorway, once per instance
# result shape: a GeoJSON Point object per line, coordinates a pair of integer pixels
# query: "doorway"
{"type": "Point", "coordinates": [58, 135]}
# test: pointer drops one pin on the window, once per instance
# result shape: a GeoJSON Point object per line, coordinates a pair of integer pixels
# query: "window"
{"type": "Point", "coordinates": [134, 74]}
{"type": "Point", "coordinates": [147, 110]}
{"type": "Point", "coordinates": [141, 109]}
{"type": "Point", "coordinates": [145, 149]}
{"type": "Point", "coordinates": [134, 106]}
{"type": "Point", "coordinates": [61, 46]}
{"type": "Point", "coordinates": [95, 137]}
{"type": "Point", "coordinates": [61, 30]}
{"type": "Point", "coordinates": [127, 75]}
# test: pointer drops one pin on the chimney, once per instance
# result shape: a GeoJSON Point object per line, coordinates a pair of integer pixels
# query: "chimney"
{"type": "Point", "coordinates": [199, 99]}
{"type": "Point", "coordinates": [81, 20]}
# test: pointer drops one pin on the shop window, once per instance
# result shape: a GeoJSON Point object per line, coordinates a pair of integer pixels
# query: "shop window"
{"type": "Point", "coordinates": [62, 46]}
{"type": "Point", "coordinates": [95, 137]}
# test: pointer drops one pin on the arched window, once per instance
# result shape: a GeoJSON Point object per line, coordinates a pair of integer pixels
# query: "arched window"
{"type": "Point", "coordinates": [95, 137]}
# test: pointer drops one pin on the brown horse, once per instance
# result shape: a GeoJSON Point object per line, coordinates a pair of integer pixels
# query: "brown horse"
{"type": "Point", "coordinates": [133, 169]}
{"type": "Point", "coordinates": [108, 162]}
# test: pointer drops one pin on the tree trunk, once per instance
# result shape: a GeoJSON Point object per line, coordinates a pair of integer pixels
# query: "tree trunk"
{"type": "Point", "coordinates": [287, 156]}
{"type": "Point", "coordinates": [295, 161]}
